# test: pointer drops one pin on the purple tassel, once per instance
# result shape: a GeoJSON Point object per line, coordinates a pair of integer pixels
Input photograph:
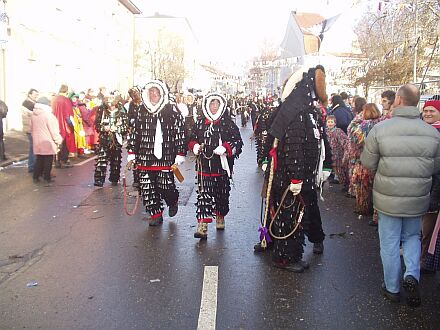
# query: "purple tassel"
{"type": "Point", "coordinates": [264, 232]}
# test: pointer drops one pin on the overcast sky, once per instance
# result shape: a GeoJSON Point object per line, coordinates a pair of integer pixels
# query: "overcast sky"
{"type": "Point", "coordinates": [231, 30]}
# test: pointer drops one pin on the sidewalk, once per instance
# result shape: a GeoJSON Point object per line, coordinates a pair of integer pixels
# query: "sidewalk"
{"type": "Point", "coordinates": [17, 149]}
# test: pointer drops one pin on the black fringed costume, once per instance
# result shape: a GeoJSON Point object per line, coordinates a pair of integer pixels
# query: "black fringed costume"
{"type": "Point", "coordinates": [133, 112]}
{"type": "Point", "coordinates": [156, 178]}
{"type": "Point", "coordinates": [192, 113]}
{"type": "Point", "coordinates": [298, 125]}
{"type": "Point", "coordinates": [212, 179]}
{"type": "Point", "coordinates": [260, 133]}
{"type": "Point", "coordinates": [112, 126]}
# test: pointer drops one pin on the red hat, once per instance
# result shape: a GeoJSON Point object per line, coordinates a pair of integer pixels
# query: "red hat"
{"type": "Point", "coordinates": [432, 103]}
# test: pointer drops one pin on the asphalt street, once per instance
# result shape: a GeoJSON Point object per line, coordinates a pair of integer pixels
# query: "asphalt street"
{"type": "Point", "coordinates": [97, 268]}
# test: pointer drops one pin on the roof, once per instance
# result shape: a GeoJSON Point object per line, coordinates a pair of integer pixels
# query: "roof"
{"type": "Point", "coordinates": [307, 20]}
{"type": "Point", "coordinates": [212, 70]}
{"type": "Point", "coordinates": [130, 6]}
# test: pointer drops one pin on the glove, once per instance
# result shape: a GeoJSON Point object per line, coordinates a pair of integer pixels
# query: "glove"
{"type": "Point", "coordinates": [295, 188]}
{"type": "Point", "coordinates": [130, 165]}
{"type": "Point", "coordinates": [220, 150]}
{"type": "Point", "coordinates": [196, 149]}
{"type": "Point", "coordinates": [326, 173]}
{"type": "Point", "coordinates": [179, 160]}
{"type": "Point", "coordinates": [130, 161]}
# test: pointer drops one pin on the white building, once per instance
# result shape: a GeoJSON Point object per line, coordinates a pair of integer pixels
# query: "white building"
{"type": "Point", "coordinates": [84, 44]}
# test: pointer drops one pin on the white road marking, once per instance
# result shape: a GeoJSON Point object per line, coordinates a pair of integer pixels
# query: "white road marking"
{"type": "Point", "coordinates": [85, 161]}
{"type": "Point", "coordinates": [208, 303]}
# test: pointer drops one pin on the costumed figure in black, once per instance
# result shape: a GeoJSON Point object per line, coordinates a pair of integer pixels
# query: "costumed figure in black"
{"type": "Point", "coordinates": [112, 124]}
{"type": "Point", "coordinates": [133, 110]}
{"type": "Point", "coordinates": [260, 133]}
{"type": "Point", "coordinates": [216, 142]}
{"type": "Point", "coordinates": [254, 110]}
{"type": "Point", "coordinates": [191, 117]}
{"type": "Point", "coordinates": [156, 143]}
{"type": "Point", "coordinates": [300, 163]}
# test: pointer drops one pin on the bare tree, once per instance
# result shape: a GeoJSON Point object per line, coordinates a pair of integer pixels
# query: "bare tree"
{"type": "Point", "coordinates": [396, 41]}
{"type": "Point", "coordinates": [161, 58]}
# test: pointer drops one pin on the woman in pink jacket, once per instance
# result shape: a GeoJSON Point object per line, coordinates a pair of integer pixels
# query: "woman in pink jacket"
{"type": "Point", "coordinates": [46, 138]}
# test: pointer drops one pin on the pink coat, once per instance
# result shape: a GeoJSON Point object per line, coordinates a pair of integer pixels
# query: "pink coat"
{"type": "Point", "coordinates": [45, 130]}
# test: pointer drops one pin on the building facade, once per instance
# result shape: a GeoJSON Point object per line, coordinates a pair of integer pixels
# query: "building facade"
{"type": "Point", "coordinates": [84, 44]}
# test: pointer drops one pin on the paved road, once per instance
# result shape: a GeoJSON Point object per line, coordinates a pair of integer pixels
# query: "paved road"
{"type": "Point", "coordinates": [98, 268]}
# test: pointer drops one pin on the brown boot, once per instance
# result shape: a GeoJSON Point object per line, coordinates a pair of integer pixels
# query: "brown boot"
{"type": "Point", "coordinates": [202, 230]}
{"type": "Point", "coordinates": [220, 222]}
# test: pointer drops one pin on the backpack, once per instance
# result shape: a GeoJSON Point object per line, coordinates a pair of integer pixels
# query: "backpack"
{"type": "Point", "coordinates": [3, 109]}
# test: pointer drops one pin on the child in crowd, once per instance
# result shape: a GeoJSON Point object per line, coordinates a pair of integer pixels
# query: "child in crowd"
{"type": "Point", "coordinates": [338, 141]}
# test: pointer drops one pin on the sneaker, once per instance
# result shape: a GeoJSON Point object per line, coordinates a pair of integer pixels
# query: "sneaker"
{"type": "Point", "coordinates": [220, 223]}
{"type": "Point", "coordinates": [393, 297]}
{"type": "Point", "coordinates": [172, 210]}
{"type": "Point", "coordinates": [48, 183]}
{"type": "Point", "coordinates": [67, 164]}
{"type": "Point", "coordinates": [156, 222]}
{"type": "Point", "coordinates": [98, 184]}
{"type": "Point", "coordinates": [258, 248]}
{"type": "Point", "coordinates": [294, 267]}
{"type": "Point", "coordinates": [202, 230]}
{"type": "Point", "coordinates": [411, 286]}
{"type": "Point", "coordinates": [318, 248]}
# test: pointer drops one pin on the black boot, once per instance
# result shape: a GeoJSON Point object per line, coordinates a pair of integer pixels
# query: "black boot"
{"type": "Point", "coordinates": [318, 248]}
{"type": "Point", "coordinates": [172, 211]}
{"type": "Point", "coordinates": [411, 286]}
{"type": "Point", "coordinates": [2, 151]}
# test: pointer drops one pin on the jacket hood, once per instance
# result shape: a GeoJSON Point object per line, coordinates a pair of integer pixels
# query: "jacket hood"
{"type": "Point", "coordinates": [205, 106]}
{"type": "Point", "coordinates": [164, 96]}
{"type": "Point", "coordinates": [41, 108]}
{"type": "Point", "coordinates": [406, 111]}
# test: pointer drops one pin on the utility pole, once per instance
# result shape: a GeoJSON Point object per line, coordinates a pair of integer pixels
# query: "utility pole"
{"type": "Point", "coordinates": [416, 43]}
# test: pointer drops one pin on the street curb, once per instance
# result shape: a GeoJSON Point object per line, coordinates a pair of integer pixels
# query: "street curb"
{"type": "Point", "coordinates": [10, 161]}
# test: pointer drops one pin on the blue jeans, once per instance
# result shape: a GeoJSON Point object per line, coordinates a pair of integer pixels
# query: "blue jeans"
{"type": "Point", "coordinates": [31, 157]}
{"type": "Point", "coordinates": [392, 231]}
